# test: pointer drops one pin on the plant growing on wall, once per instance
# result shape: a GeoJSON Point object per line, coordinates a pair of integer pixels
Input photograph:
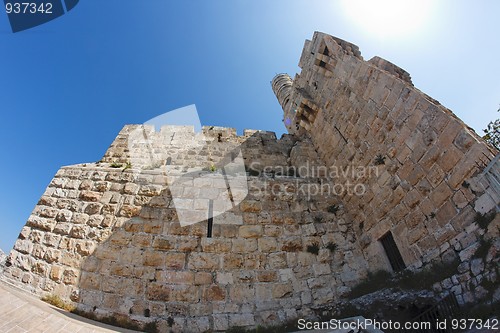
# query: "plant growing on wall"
{"type": "Point", "coordinates": [379, 160]}
{"type": "Point", "coordinates": [331, 246]}
{"type": "Point", "coordinates": [492, 133]}
{"type": "Point", "coordinates": [313, 248]}
{"type": "Point", "coordinates": [333, 209]}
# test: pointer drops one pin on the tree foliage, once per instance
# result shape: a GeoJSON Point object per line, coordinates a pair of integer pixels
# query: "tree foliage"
{"type": "Point", "coordinates": [492, 133]}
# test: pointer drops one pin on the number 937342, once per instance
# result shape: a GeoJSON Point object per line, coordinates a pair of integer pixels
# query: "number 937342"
{"type": "Point", "coordinates": [28, 8]}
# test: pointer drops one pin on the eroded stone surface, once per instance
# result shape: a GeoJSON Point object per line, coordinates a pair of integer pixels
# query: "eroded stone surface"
{"type": "Point", "coordinates": [367, 153]}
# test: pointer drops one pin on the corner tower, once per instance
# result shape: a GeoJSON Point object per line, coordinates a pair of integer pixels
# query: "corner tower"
{"type": "Point", "coordinates": [368, 115]}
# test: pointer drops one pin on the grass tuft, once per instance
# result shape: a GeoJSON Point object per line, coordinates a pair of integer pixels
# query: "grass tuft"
{"type": "Point", "coordinates": [483, 220]}
{"type": "Point", "coordinates": [313, 248]}
{"type": "Point", "coordinates": [58, 302]}
{"type": "Point", "coordinates": [405, 280]}
{"type": "Point", "coordinates": [331, 246]}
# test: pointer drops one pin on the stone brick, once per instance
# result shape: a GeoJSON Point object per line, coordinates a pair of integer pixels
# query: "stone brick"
{"type": "Point", "coordinates": [242, 293]}
{"type": "Point", "coordinates": [440, 194]}
{"type": "Point", "coordinates": [70, 276]}
{"type": "Point", "coordinates": [216, 245]}
{"type": "Point", "coordinates": [90, 196]}
{"type": "Point", "coordinates": [449, 133]}
{"type": "Point", "coordinates": [244, 245]}
{"type": "Point", "coordinates": [201, 278]}
{"type": "Point", "coordinates": [436, 175]}
{"type": "Point", "coordinates": [241, 320]}
{"type": "Point", "coordinates": [214, 293]}
{"type": "Point", "coordinates": [267, 244]}
{"type": "Point", "coordinates": [450, 158]}
{"type": "Point", "coordinates": [249, 206]}
{"type": "Point", "coordinates": [203, 261]}
{"type": "Point", "coordinates": [446, 213]}
{"type": "Point", "coordinates": [56, 273]}
{"type": "Point", "coordinates": [151, 258]}
{"type": "Point", "coordinates": [464, 140]}
{"type": "Point", "coordinates": [250, 231]}
{"type": "Point", "coordinates": [175, 277]}
{"type": "Point", "coordinates": [267, 276]}
{"type": "Point", "coordinates": [175, 260]}
{"type": "Point", "coordinates": [163, 243]}
{"type": "Point", "coordinates": [412, 199]}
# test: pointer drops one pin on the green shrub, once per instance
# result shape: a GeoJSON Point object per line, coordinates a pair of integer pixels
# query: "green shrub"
{"type": "Point", "coordinates": [331, 246]}
{"type": "Point", "coordinates": [333, 209]}
{"type": "Point", "coordinates": [375, 281]}
{"type": "Point", "coordinates": [483, 220]}
{"type": "Point", "coordinates": [379, 160]}
{"type": "Point", "coordinates": [482, 250]}
{"type": "Point", "coordinates": [313, 248]}
{"type": "Point", "coordinates": [405, 280]}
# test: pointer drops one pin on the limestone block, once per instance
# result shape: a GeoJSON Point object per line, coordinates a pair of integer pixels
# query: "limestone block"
{"type": "Point", "coordinates": [51, 255]}
{"type": "Point", "coordinates": [175, 260]}
{"type": "Point", "coordinates": [153, 258]}
{"type": "Point", "coordinates": [199, 324]}
{"type": "Point", "coordinates": [277, 260]}
{"type": "Point", "coordinates": [477, 266]}
{"type": "Point", "coordinates": [440, 194]}
{"type": "Point", "coordinates": [214, 293]}
{"type": "Point", "coordinates": [159, 292]}
{"type": "Point", "coordinates": [217, 245]}
{"type": "Point", "coordinates": [244, 245]}
{"type": "Point", "coordinates": [175, 277]}
{"type": "Point", "coordinates": [250, 206]}
{"type": "Point", "coordinates": [321, 269]}
{"type": "Point", "coordinates": [204, 261]}
{"type": "Point", "coordinates": [203, 278]}
{"type": "Point", "coordinates": [90, 196]}
{"type": "Point", "coordinates": [250, 231]}
{"type": "Point", "coordinates": [221, 322]}
{"type": "Point", "coordinates": [56, 273]}
{"type": "Point", "coordinates": [23, 246]}
{"type": "Point", "coordinates": [485, 203]}
{"type": "Point", "coordinates": [164, 243]}
{"type": "Point", "coordinates": [242, 292]}
{"type": "Point", "coordinates": [267, 244]}
{"type": "Point", "coordinates": [241, 320]}
{"type": "Point", "coordinates": [281, 290]}
{"type": "Point", "coordinates": [70, 276]}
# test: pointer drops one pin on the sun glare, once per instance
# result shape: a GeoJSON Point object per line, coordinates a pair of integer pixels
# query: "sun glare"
{"type": "Point", "coordinates": [388, 18]}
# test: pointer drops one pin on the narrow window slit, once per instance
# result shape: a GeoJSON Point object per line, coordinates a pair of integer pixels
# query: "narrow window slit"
{"type": "Point", "coordinates": [210, 218]}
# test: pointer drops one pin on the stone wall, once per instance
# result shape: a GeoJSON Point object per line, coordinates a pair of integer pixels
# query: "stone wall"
{"type": "Point", "coordinates": [360, 114]}
{"type": "Point", "coordinates": [111, 241]}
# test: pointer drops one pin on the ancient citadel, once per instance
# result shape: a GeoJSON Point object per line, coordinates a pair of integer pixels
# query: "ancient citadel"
{"type": "Point", "coordinates": [109, 239]}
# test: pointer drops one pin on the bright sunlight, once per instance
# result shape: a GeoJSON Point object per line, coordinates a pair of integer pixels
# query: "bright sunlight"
{"type": "Point", "coordinates": [389, 18]}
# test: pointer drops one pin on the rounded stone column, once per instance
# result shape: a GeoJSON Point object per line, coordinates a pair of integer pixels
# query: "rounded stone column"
{"type": "Point", "coordinates": [282, 87]}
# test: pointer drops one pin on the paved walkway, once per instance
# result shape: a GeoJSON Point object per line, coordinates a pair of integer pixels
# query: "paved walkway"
{"type": "Point", "coordinates": [21, 312]}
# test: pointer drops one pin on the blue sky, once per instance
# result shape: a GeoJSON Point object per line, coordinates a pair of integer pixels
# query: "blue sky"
{"type": "Point", "coordinates": [69, 86]}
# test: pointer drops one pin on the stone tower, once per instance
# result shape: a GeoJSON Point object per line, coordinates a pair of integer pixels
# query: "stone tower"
{"type": "Point", "coordinates": [434, 173]}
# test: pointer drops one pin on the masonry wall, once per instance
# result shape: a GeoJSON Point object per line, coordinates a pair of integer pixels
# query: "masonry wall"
{"type": "Point", "coordinates": [109, 239]}
{"type": "Point", "coordinates": [368, 113]}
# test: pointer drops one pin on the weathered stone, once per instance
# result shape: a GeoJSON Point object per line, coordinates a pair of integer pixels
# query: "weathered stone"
{"type": "Point", "coordinates": [206, 261]}
{"type": "Point", "coordinates": [135, 242]}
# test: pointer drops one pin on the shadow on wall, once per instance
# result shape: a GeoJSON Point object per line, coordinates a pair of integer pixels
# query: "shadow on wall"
{"type": "Point", "coordinates": [249, 265]}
